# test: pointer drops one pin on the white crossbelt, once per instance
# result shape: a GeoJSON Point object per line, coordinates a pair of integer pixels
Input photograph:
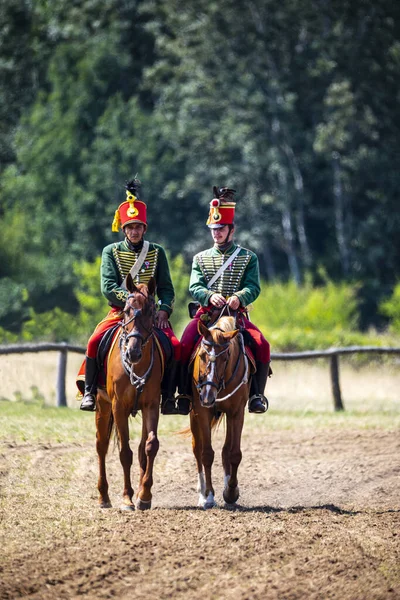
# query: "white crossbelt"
{"type": "Point", "coordinates": [224, 266]}
{"type": "Point", "coordinates": [136, 267]}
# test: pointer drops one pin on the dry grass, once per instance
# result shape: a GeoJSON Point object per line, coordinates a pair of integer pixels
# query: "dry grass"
{"type": "Point", "coordinates": [295, 386]}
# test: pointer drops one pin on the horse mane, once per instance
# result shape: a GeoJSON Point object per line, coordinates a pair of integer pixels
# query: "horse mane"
{"type": "Point", "coordinates": [225, 324]}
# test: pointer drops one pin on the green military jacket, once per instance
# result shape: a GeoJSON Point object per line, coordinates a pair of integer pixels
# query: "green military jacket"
{"type": "Point", "coordinates": [241, 278]}
{"type": "Point", "coordinates": [116, 262]}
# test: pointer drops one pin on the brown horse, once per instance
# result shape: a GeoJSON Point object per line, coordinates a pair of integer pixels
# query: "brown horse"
{"type": "Point", "coordinates": [220, 385]}
{"type": "Point", "coordinates": [134, 374]}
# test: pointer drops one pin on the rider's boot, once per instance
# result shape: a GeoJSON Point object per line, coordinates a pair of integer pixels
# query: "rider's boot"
{"type": "Point", "coordinates": [258, 403]}
{"type": "Point", "coordinates": [184, 397]}
{"type": "Point", "coordinates": [169, 404]}
{"type": "Point", "coordinates": [91, 374]}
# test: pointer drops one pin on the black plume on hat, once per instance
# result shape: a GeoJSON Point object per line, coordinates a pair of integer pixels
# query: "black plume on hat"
{"type": "Point", "coordinates": [224, 193]}
{"type": "Point", "coordinates": [133, 186]}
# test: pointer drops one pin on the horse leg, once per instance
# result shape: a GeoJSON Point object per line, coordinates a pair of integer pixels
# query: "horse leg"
{"type": "Point", "coordinates": [207, 456]}
{"type": "Point", "coordinates": [148, 449]}
{"type": "Point", "coordinates": [142, 453]}
{"type": "Point", "coordinates": [104, 421]}
{"type": "Point", "coordinates": [196, 447]}
{"type": "Point", "coordinates": [125, 456]}
{"type": "Point", "coordinates": [226, 453]}
{"type": "Point", "coordinates": [235, 427]}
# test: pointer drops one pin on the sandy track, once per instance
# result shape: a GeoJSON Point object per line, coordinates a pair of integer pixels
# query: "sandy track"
{"type": "Point", "coordinates": [319, 517]}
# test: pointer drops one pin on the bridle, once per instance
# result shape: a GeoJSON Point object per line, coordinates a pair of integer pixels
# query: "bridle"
{"type": "Point", "coordinates": [210, 348]}
{"type": "Point", "coordinates": [138, 381]}
{"type": "Point", "coordinates": [137, 313]}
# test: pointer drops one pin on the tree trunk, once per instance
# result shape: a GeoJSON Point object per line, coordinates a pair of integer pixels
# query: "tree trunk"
{"type": "Point", "coordinates": [340, 221]}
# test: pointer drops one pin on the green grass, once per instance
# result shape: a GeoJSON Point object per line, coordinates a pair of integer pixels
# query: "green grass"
{"type": "Point", "coordinates": [35, 422]}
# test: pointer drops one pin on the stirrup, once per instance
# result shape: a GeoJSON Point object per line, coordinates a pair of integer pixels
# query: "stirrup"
{"type": "Point", "coordinates": [183, 404]}
{"type": "Point", "coordinates": [258, 404]}
{"type": "Point", "coordinates": [89, 402]}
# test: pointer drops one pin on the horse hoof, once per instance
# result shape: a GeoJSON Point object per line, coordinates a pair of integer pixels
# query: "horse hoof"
{"type": "Point", "coordinates": [231, 495]}
{"type": "Point", "coordinates": [143, 504]}
{"type": "Point", "coordinates": [208, 502]}
{"type": "Point", "coordinates": [129, 507]}
{"type": "Point", "coordinates": [105, 504]}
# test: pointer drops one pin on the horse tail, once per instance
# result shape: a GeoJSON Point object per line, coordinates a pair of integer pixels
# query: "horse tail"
{"type": "Point", "coordinates": [111, 426]}
{"type": "Point", "coordinates": [217, 420]}
{"type": "Point", "coordinates": [186, 432]}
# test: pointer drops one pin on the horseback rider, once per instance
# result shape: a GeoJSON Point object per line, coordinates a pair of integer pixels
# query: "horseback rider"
{"type": "Point", "coordinates": [143, 260]}
{"type": "Point", "coordinates": [226, 275]}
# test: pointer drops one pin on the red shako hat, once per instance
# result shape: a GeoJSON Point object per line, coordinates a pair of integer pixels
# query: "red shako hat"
{"type": "Point", "coordinates": [222, 208]}
{"type": "Point", "coordinates": [132, 210]}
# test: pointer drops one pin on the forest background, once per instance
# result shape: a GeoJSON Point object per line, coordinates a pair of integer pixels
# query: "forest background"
{"type": "Point", "coordinates": [294, 103]}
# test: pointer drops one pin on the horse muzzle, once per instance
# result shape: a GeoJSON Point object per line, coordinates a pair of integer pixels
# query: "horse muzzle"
{"type": "Point", "coordinates": [133, 352]}
{"type": "Point", "coordinates": [208, 394]}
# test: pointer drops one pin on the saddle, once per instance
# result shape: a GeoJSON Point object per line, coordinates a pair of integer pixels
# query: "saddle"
{"type": "Point", "coordinates": [105, 345]}
{"type": "Point", "coordinates": [165, 346]}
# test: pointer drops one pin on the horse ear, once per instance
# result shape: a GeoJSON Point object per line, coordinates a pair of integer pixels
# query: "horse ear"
{"type": "Point", "coordinates": [130, 286]}
{"type": "Point", "coordinates": [229, 335]}
{"type": "Point", "coordinates": [202, 329]}
{"type": "Point", "coordinates": [151, 286]}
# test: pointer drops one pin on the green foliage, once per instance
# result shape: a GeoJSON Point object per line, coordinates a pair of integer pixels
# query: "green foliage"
{"type": "Point", "coordinates": [297, 339]}
{"type": "Point", "coordinates": [57, 325]}
{"type": "Point", "coordinates": [180, 278]}
{"type": "Point", "coordinates": [327, 307]}
{"type": "Point", "coordinates": [391, 308]}
{"type": "Point", "coordinates": [306, 318]}
{"type": "Point", "coordinates": [190, 95]}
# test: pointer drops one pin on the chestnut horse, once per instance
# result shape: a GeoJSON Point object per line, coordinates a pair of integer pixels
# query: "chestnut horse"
{"type": "Point", "coordinates": [220, 385]}
{"type": "Point", "coordinates": [134, 374]}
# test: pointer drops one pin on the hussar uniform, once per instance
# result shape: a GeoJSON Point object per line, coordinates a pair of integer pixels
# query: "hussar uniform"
{"type": "Point", "coordinates": [240, 278]}
{"type": "Point", "coordinates": [118, 260]}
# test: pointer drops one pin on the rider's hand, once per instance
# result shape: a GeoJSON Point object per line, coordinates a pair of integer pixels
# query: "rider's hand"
{"type": "Point", "coordinates": [217, 300]}
{"type": "Point", "coordinates": [233, 302]}
{"type": "Point", "coordinates": [162, 319]}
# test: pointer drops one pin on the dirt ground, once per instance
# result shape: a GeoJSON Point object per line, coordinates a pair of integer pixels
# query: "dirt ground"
{"type": "Point", "coordinates": [318, 517]}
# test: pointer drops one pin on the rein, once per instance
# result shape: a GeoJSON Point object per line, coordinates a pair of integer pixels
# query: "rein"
{"type": "Point", "coordinates": [138, 381]}
{"type": "Point", "coordinates": [212, 360]}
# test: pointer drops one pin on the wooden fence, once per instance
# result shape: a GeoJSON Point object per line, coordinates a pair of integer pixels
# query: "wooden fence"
{"type": "Point", "coordinates": [332, 354]}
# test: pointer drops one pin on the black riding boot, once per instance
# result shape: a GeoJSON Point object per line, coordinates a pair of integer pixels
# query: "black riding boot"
{"type": "Point", "coordinates": [169, 404]}
{"type": "Point", "coordinates": [258, 403]}
{"type": "Point", "coordinates": [91, 374]}
{"type": "Point", "coordinates": [184, 398]}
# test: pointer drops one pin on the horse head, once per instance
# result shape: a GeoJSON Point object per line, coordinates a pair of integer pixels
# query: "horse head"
{"type": "Point", "coordinates": [139, 318]}
{"type": "Point", "coordinates": [213, 358]}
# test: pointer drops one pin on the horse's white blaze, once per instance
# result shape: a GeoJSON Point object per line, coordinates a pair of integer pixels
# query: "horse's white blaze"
{"type": "Point", "coordinates": [201, 484]}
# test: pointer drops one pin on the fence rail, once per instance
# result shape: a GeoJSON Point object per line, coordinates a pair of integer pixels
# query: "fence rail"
{"type": "Point", "coordinates": [332, 354]}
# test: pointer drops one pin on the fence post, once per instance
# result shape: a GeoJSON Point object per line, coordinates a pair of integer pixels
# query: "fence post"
{"type": "Point", "coordinates": [61, 375]}
{"type": "Point", "coordinates": [337, 396]}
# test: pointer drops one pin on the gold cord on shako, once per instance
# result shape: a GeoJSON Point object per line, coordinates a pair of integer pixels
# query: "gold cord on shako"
{"type": "Point", "coordinates": [222, 206]}
{"type": "Point", "coordinates": [132, 211]}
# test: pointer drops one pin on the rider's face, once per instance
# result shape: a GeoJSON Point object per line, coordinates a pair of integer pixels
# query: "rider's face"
{"type": "Point", "coordinates": [219, 235]}
{"type": "Point", "coordinates": [134, 232]}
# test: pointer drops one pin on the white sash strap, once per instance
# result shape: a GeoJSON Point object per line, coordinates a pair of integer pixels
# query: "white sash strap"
{"type": "Point", "coordinates": [224, 266]}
